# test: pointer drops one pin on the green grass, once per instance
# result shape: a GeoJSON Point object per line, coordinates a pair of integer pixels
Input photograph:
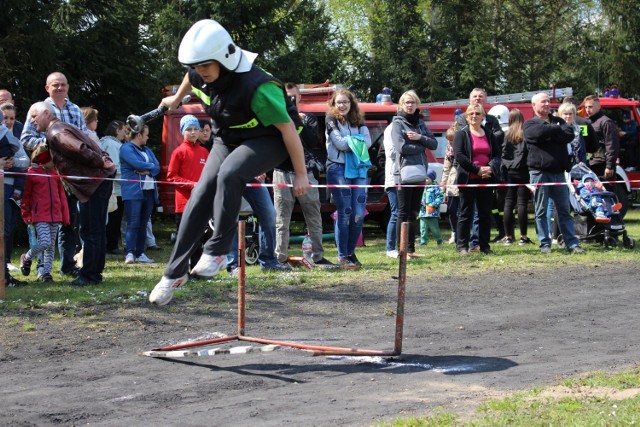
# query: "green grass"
{"type": "Point", "coordinates": [130, 284]}
{"type": "Point", "coordinates": [588, 400]}
{"type": "Point", "coordinates": [127, 286]}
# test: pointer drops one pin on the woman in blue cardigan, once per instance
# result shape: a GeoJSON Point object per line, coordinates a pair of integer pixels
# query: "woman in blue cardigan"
{"type": "Point", "coordinates": [138, 165]}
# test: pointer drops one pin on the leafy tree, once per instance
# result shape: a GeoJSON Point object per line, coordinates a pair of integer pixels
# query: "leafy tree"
{"type": "Point", "coordinates": [619, 45]}
{"type": "Point", "coordinates": [397, 46]}
{"type": "Point", "coordinates": [294, 40]}
{"type": "Point", "coordinates": [26, 43]}
{"type": "Point", "coordinates": [105, 57]}
{"type": "Point", "coordinates": [99, 46]}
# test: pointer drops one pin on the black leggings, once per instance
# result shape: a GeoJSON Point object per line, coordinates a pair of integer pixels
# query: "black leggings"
{"type": "Point", "coordinates": [218, 193]}
{"type": "Point", "coordinates": [516, 196]}
{"type": "Point", "coordinates": [409, 199]}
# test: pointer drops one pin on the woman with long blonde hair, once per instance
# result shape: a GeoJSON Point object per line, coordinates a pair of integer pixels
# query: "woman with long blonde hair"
{"type": "Point", "coordinates": [410, 137]}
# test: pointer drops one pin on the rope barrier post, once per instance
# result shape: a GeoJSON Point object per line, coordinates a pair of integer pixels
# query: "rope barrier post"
{"type": "Point", "coordinates": [402, 280]}
{"type": "Point", "coordinates": [3, 278]}
{"type": "Point", "coordinates": [241, 277]}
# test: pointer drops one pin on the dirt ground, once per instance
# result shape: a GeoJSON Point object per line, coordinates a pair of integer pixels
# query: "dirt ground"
{"type": "Point", "coordinates": [466, 340]}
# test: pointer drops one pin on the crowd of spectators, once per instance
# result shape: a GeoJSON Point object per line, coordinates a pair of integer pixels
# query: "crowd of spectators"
{"type": "Point", "coordinates": [61, 138]}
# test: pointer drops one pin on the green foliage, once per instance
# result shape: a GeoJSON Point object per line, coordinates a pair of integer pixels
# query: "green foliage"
{"type": "Point", "coordinates": [622, 380]}
{"type": "Point", "coordinates": [130, 284]}
{"type": "Point", "coordinates": [118, 54]}
{"type": "Point", "coordinates": [547, 407]}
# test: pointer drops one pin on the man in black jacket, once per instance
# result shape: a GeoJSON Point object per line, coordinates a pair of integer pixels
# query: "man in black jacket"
{"type": "Point", "coordinates": [605, 155]}
{"type": "Point", "coordinates": [547, 137]}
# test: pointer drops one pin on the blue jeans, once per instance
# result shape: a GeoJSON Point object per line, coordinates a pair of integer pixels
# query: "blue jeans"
{"type": "Point", "coordinates": [392, 193]}
{"type": "Point", "coordinates": [138, 213]}
{"type": "Point", "coordinates": [262, 206]}
{"type": "Point", "coordinates": [93, 232]}
{"type": "Point", "coordinates": [350, 204]}
{"type": "Point", "coordinates": [560, 196]}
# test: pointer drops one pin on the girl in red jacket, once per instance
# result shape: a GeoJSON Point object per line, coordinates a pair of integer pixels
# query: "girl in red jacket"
{"type": "Point", "coordinates": [44, 206]}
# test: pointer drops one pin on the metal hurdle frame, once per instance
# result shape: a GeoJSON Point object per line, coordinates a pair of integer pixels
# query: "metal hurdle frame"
{"type": "Point", "coordinates": [177, 350]}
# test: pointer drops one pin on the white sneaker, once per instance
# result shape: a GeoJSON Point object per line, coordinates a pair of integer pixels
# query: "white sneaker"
{"type": "Point", "coordinates": [452, 239]}
{"type": "Point", "coordinates": [163, 291]}
{"type": "Point", "coordinates": [208, 266]}
{"type": "Point", "coordinates": [129, 259]}
{"type": "Point", "coordinates": [392, 254]}
{"type": "Point", "coordinates": [145, 259]}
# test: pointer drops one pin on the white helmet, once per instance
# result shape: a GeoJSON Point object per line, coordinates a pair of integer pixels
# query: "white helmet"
{"type": "Point", "coordinates": [208, 41]}
{"type": "Point", "coordinates": [501, 113]}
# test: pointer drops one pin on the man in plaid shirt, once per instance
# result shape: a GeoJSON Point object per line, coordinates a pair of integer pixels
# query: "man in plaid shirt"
{"type": "Point", "coordinates": [66, 111]}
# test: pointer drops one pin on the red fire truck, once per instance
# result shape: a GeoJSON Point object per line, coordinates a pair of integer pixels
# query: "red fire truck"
{"type": "Point", "coordinates": [439, 116]}
{"type": "Point", "coordinates": [314, 100]}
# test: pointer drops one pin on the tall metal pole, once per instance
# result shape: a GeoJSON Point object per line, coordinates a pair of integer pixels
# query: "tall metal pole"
{"type": "Point", "coordinates": [241, 277]}
{"type": "Point", "coordinates": [402, 280]}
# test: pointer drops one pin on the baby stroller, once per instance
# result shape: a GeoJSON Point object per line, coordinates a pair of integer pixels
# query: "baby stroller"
{"type": "Point", "coordinates": [589, 198]}
{"type": "Point", "coordinates": [251, 237]}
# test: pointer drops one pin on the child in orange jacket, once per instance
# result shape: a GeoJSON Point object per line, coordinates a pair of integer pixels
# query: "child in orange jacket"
{"type": "Point", "coordinates": [44, 206]}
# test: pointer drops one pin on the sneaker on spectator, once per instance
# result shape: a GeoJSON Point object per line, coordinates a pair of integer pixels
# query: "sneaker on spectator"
{"type": "Point", "coordinates": [508, 241]}
{"type": "Point", "coordinates": [545, 249]}
{"type": "Point", "coordinates": [45, 277]}
{"type": "Point", "coordinates": [354, 259]}
{"type": "Point", "coordinates": [12, 282]}
{"type": "Point", "coordinates": [74, 272]}
{"type": "Point", "coordinates": [392, 254]}
{"type": "Point", "coordinates": [346, 264]}
{"type": "Point", "coordinates": [498, 239]}
{"type": "Point", "coordinates": [16, 201]}
{"type": "Point", "coordinates": [25, 265]}
{"type": "Point", "coordinates": [208, 266]}
{"type": "Point", "coordinates": [576, 250]}
{"type": "Point", "coordinates": [278, 267]}
{"type": "Point", "coordinates": [475, 249]}
{"type": "Point", "coordinates": [525, 241]}
{"type": "Point", "coordinates": [145, 259]}
{"type": "Point", "coordinates": [324, 263]}
{"type": "Point", "coordinates": [129, 259]}
{"type": "Point", "coordinates": [452, 239]}
{"type": "Point", "coordinates": [81, 281]}
{"type": "Point", "coordinates": [163, 291]}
